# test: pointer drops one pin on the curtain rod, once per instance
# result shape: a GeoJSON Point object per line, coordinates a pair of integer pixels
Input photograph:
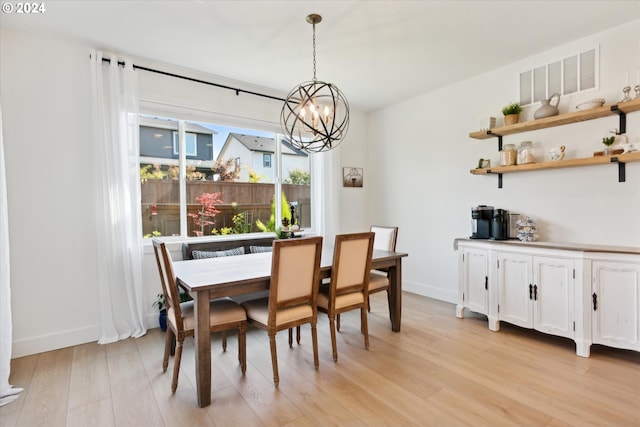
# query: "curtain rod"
{"type": "Point", "coordinates": [191, 79]}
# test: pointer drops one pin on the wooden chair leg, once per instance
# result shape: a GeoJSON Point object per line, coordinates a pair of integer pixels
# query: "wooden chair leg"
{"type": "Point", "coordinates": [167, 349]}
{"type": "Point", "coordinates": [298, 334]}
{"type": "Point", "coordinates": [242, 347]}
{"type": "Point", "coordinates": [364, 326]}
{"type": "Point", "coordinates": [314, 337]}
{"type": "Point", "coordinates": [274, 358]}
{"type": "Point", "coordinates": [338, 322]}
{"type": "Point", "coordinates": [224, 340]}
{"type": "Point", "coordinates": [389, 303]}
{"type": "Point", "coordinates": [332, 328]}
{"type": "Point", "coordinates": [176, 366]}
{"type": "Point", "coordinates": [368, 304]}
{"type": "Point", "coordinates": [290, 337]}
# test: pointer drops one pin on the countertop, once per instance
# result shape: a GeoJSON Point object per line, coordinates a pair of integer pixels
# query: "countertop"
{"type": "Point", "coordinates": [582, 247]}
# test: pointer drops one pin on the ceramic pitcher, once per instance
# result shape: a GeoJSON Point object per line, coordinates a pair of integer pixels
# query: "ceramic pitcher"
{"type": "Point", "coordinates": [547, 109]}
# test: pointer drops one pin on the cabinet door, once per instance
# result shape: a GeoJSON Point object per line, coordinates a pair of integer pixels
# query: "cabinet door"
{"type": "Point", "coordinates": [553, 295]}
{"type": "Point", "coordinates": [475, 280]}
{"type": "Point", "coordinates": [514, 284]}
{"type": "Point", "coordinates": [615, 313]}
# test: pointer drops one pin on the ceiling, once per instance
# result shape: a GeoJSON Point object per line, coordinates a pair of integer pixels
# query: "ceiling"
{"type": "Point", "coordinates": [377, 52]}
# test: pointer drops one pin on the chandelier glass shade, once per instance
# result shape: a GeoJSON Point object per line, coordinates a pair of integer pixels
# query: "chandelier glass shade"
{"type": "Point", "coordinates": [315, 115]}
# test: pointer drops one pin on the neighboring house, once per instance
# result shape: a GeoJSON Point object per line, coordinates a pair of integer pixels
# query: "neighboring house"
{"type": "Point", "coordinates": [257, 154]}
{"type": "Point", "coordinates": [159, 144]}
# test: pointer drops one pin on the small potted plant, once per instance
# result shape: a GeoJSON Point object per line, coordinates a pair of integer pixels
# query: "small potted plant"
{"type": "Point", "coordinates": [162, 308]}
{"type": "Point", "coordinates": [608, 142]}
{"type": "Point", "coordinates": [511, 113]}
{"type": "Point", "coordinates": [162, 311]}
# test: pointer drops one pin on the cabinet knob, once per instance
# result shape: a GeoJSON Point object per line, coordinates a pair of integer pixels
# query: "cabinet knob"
{"type": "Point", "coordinates": [535, 292]}
{"type": "Point", "coordinates": [594, 297]}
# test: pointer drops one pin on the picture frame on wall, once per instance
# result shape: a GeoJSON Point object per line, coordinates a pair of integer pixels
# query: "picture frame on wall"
{"type": "Point", "coordinates": [352, 177]}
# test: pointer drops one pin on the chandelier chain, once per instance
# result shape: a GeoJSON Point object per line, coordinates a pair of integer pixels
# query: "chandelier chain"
{"type": "Point", "coordinates": [314, 52]}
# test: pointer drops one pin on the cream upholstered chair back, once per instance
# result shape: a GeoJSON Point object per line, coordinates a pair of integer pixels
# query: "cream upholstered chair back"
{"type": "Point", "coordinates": [295, 270]}
{"type": "Point", "coordinates": [353, 263]}
{"type": "Point", "coordinates": [386, 238]}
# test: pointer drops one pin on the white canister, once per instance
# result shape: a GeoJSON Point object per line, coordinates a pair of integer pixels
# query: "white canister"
{"type": "Point", "coordinates": [526, 153]}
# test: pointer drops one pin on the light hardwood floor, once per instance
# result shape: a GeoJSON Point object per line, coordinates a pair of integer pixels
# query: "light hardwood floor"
{"type": "Point", "coordinates": [439, 370]}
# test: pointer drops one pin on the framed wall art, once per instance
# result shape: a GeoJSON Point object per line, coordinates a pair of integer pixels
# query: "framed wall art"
{"type": "Point", "coordinates": [352, 177]}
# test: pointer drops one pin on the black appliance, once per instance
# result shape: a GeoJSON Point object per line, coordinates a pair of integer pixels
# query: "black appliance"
{"type": "Point", "coordinates": [481, 218]}
{"type": "Point", "coordinates": [500, 225]}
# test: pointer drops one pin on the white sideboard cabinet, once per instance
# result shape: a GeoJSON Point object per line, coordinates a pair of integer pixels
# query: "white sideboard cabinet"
{"type": "Point", "coordinates": [587, 293]}
{"type": "Point", "coordinates": [536, 292]}
{"type": "Point", "coordinates": [474, 280]}
{"type": "Point", "coordinates": [615, 304]}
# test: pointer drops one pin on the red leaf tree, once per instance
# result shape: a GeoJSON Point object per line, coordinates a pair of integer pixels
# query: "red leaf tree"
{"type": "Point", "coordinates": [207, 211]}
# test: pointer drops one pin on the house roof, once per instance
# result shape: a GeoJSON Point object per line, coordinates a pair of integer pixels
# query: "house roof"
{"type": "Point", "coordinates": [261, 144]}
{"type": "Point", "coordinates": [161, 123]}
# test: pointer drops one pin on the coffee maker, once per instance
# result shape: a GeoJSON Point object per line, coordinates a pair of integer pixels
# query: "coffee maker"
{"type": "Point", "coordinates": [481, 218]}
{"type": "Point", "coordinates": [500, 225]}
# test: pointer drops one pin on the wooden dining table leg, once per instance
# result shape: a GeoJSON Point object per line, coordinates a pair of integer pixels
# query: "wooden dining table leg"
{"type": "Point", "coordinates": [202, 348]}
{"type": "Point", "coordinates": [395, 295]}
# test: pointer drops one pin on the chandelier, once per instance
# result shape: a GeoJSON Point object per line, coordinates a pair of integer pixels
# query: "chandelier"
{"type": "Point", "coordinates": [315, 115]}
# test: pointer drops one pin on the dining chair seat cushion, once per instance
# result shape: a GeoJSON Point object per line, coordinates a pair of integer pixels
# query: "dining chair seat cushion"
{"type": "Point", "coordinates": [220, 312]}
{"type": "Point", "coordinates": [258, 310]}
{"type": "Point", "coordinates": [341, 300]}
{"type": "Point", "coordinates": [216, 254]}
{"type": "Point", "coordinates": [378, 281]}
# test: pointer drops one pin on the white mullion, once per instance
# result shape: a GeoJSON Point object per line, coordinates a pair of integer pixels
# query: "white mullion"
{"type": "Point", "coordinates": [278, 181]}
{"type": "Point", "coordinates": [182, 158]}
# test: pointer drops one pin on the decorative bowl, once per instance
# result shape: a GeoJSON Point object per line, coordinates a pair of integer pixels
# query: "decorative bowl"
{"type": "Point", "coordinates": [592, 103]}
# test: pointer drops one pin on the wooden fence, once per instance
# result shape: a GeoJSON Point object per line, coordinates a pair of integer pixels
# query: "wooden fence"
{"type": "Point", "coordinates": [161, 204]}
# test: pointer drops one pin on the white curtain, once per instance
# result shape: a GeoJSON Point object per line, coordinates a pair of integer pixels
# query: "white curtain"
{"type": "Point", "coordinates": [8, 393]}
{"type": "Point", "coordinates": [326, 193]}
{"type": "Point", "coordinates": [118, 215]}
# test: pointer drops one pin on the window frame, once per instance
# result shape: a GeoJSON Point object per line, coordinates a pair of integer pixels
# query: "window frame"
{"type": "Point", "coordinates": [267, 161]}
{"type": "Point", "coordinates": [275, 161]}
{"type": "Point", "coordinates": [188, 143]}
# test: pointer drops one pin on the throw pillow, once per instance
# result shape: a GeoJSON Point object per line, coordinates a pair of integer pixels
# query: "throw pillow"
{"type": "Point", "coordinates": [216, 254]}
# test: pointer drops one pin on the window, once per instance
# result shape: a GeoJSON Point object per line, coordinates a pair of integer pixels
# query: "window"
{"type": "Point", "coordinates": [191, 144]}
{"type": "Point", "coordinates": [569, 75]}
{"type": "Point", "coordinates": [203, 191]}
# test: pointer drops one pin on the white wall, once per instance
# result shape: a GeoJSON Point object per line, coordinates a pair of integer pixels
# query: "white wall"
{"type": "Point", "coordinates": [45, 95]}
{"type": "Point", "coordinates": [44, 90]}
{"type": "Point", "coordinates": [423, 151]}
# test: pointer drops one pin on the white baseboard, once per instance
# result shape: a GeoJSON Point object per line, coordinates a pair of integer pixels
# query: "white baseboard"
{"type": "Point", "coordinates": [430, 291]}
{"type": "Point", "coordinates": [42, 343]}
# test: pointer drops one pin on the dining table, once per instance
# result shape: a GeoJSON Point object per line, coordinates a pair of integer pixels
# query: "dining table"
{"type": "Point", "coordinates": [210, 278]}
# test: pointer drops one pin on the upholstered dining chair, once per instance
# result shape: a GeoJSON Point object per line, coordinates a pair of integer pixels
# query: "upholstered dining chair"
{"type": "Point", "coordinates": [224, 315]}
{"type": "Point", "coordinates": [349, 283]}
{"type": "Point", "coordinates": [385, 240]}
{"type": "Point", "coordinates": [293, 291]}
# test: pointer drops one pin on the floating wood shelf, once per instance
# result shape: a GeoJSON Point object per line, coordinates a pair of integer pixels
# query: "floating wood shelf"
{"type": "Point", "coordinates": [620, 109]}
{"type": "Point", "coordinates": [587, 161]}
{"type": "Point", "coordinates": [562, 119]}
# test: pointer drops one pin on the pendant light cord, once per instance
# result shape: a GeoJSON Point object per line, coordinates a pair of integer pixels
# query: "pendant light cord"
{"type": "Point", "coordinates": [314, 52]}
